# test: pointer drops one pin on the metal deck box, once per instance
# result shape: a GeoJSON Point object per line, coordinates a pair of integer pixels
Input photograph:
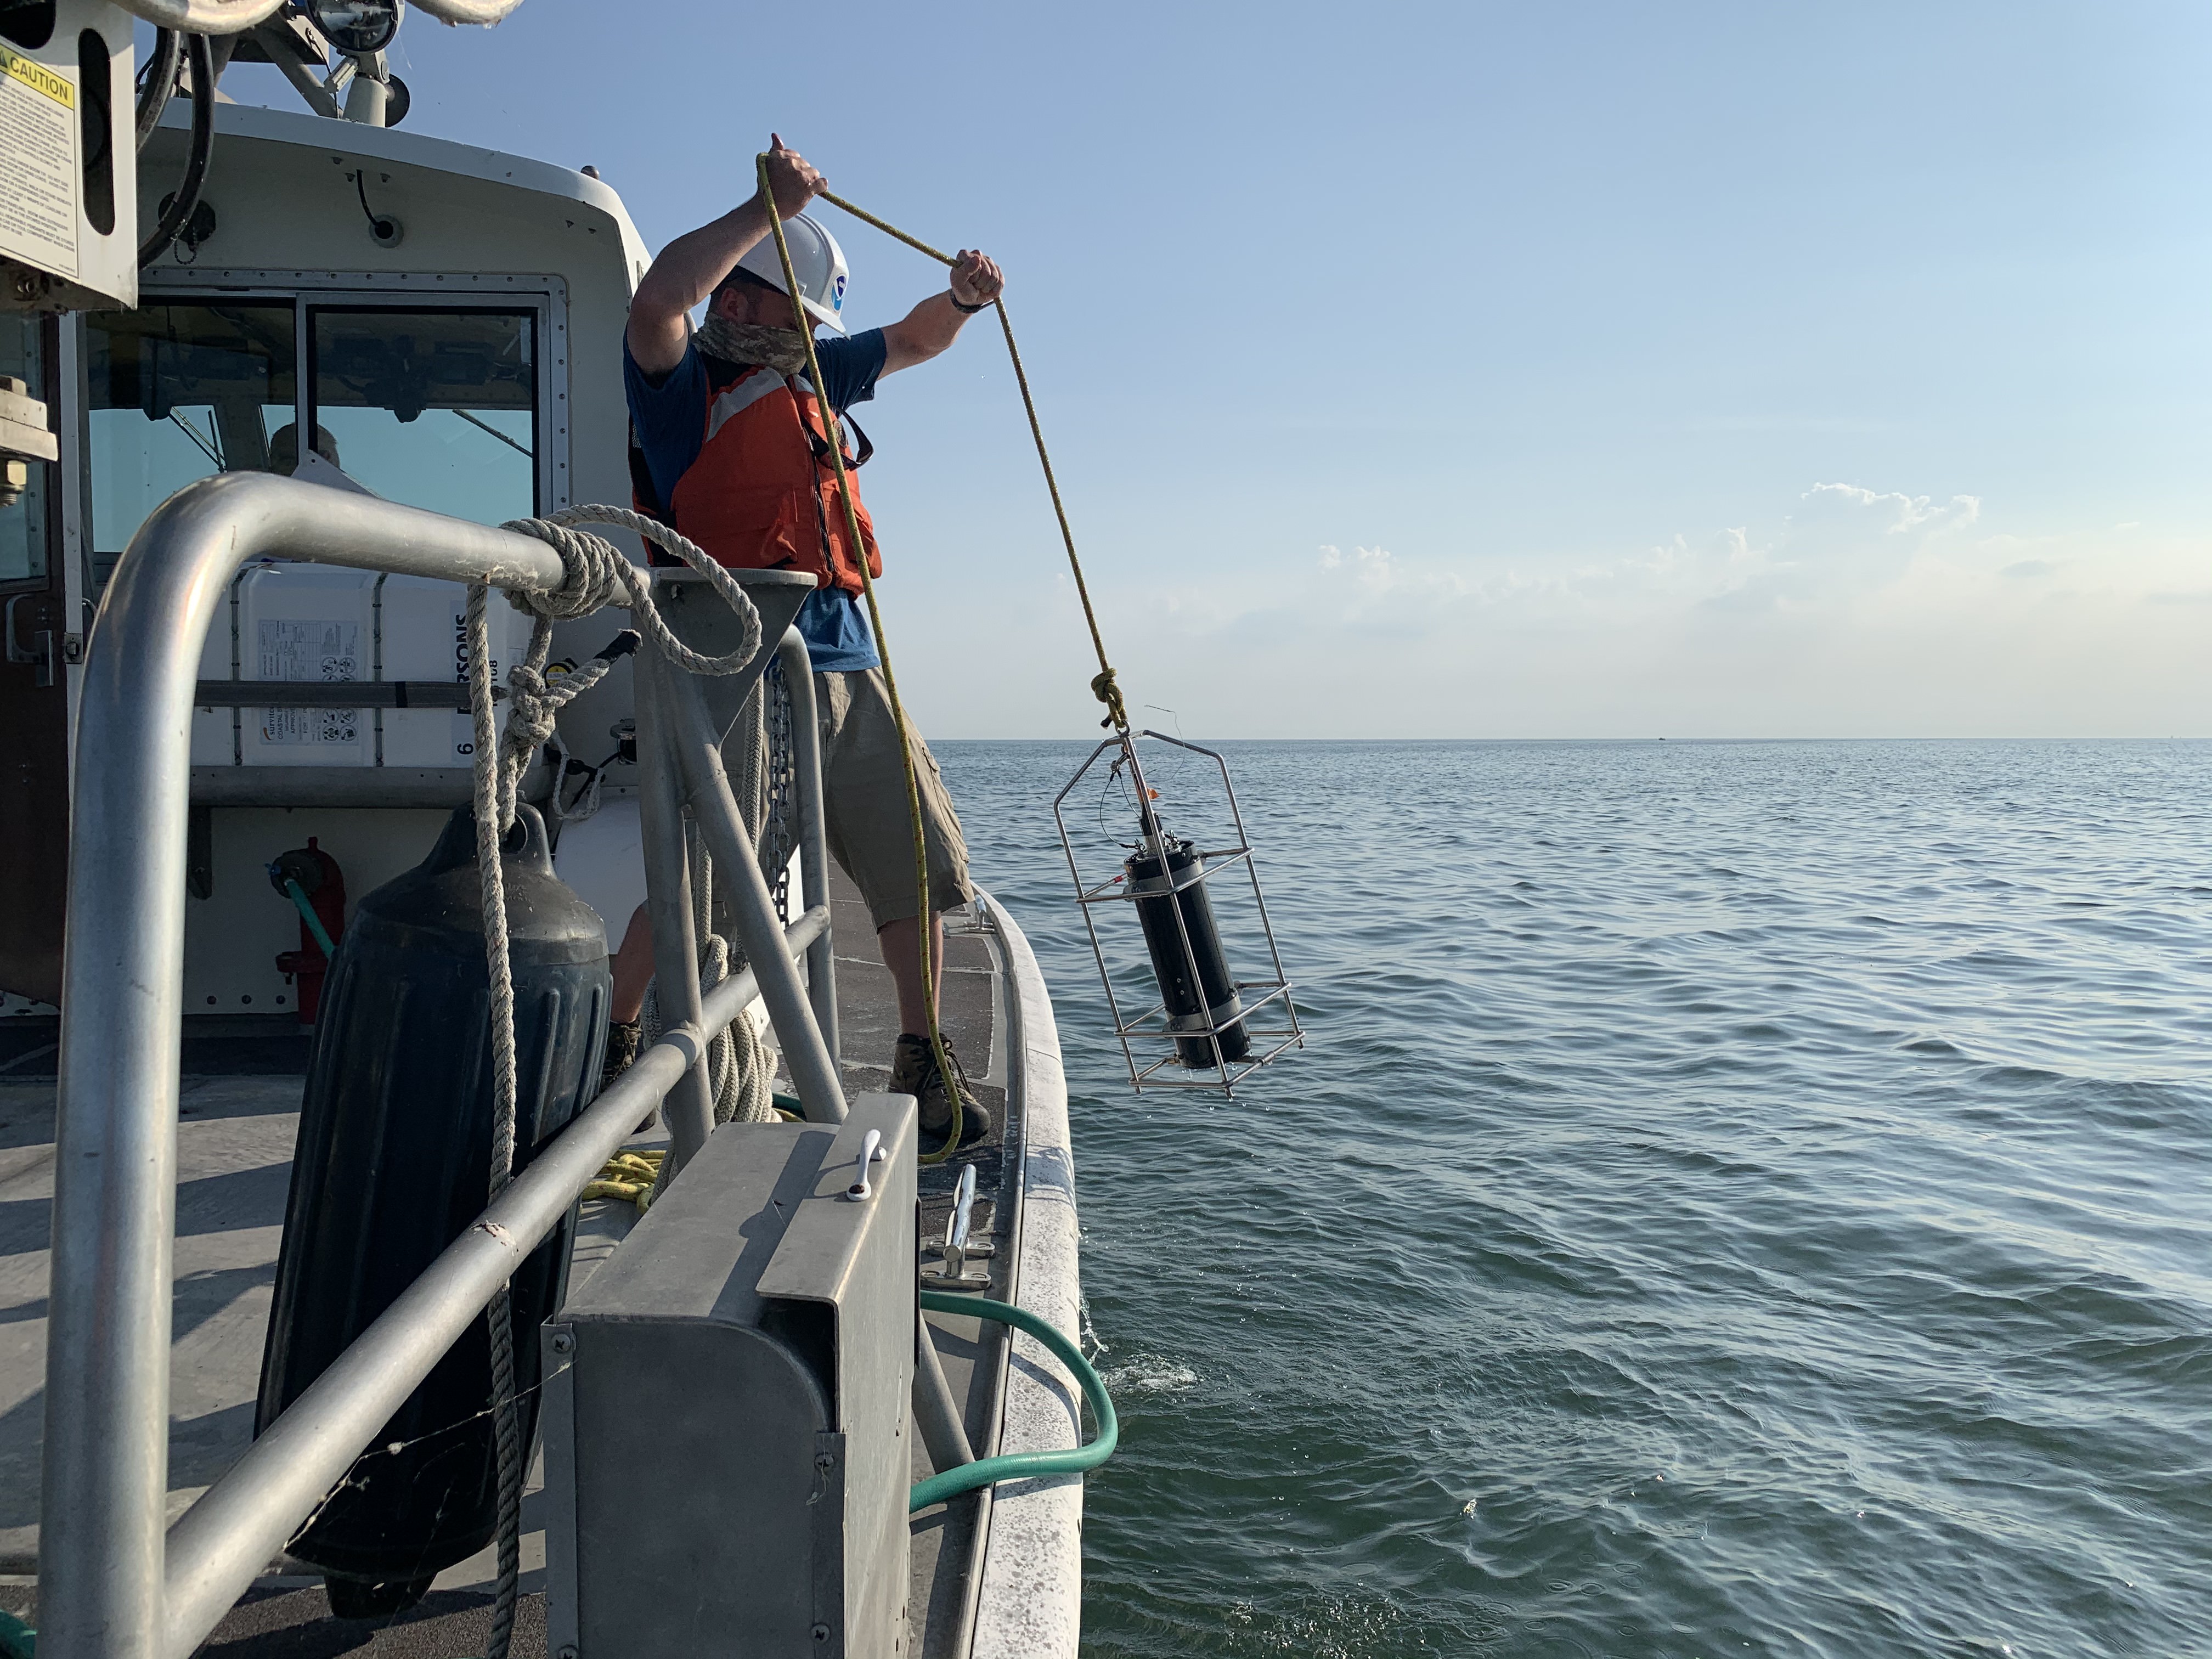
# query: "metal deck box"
{"type": "Point", "coordinates": [710, 1391]}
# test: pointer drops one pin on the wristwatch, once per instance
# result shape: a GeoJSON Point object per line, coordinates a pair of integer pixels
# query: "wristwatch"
{"type": "Point", "coordinates": [965, 310]}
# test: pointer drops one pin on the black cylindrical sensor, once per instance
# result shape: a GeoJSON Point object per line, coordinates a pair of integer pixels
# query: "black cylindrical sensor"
{"type": "Point", "coordinates": [1211, 997]}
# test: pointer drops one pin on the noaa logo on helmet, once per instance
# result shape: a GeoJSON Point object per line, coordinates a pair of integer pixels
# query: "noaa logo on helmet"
{"type": "Point", "coordinates": [837, 291]}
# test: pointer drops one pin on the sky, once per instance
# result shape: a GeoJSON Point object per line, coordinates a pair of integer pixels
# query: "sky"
{"type": "Point", "coordinates": [1480, 371]}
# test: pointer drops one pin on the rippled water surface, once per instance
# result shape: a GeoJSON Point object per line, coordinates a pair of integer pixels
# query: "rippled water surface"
{"type": "Point", "coordinates": [1739, 1199]}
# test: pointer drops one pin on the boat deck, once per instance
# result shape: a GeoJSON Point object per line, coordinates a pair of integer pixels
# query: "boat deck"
{"type": "Point", "coordinates": [238, 1116]}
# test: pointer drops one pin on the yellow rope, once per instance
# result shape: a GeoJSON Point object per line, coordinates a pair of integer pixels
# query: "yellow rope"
{"type": "Point", "coordinates": [1101, 686]}
{"type": "Point", "coordinates": [924, 920]}
{"type": "Point", "coordinates": [628, 1176]}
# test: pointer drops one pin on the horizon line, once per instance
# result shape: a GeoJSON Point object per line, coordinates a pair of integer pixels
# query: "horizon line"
{"type": "Point", "coordinates": [1919, 738]}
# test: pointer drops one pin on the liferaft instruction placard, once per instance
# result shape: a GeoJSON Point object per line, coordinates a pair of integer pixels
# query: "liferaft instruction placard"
{"type": "Point", "coordinates": [295, 650]}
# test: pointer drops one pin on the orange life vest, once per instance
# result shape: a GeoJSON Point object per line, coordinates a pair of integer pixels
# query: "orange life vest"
{"type": "Point", "coordinates": [763, 495]}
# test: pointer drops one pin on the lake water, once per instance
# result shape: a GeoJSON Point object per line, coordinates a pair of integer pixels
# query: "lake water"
{"type": "Point", "coordinates": [1738, 1199]}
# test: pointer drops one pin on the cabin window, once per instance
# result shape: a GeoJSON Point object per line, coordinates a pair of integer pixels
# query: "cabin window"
{"type": "Point", "coordinates": [23, 526]}
{"type": "Point", "coordinates": [434, 409]}
{"type": "Point", "coordinates": [178, 391]}
{"type": "Point", "coordinates": [436, 405]}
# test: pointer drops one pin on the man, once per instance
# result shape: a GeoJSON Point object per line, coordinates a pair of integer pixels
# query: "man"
{"type": "Point", "coordinates": [735, 454]}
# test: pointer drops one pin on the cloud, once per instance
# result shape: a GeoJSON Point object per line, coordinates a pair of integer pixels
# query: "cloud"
{"type": "Point", "coordinates": [1831, 608]}
{"type": "Point", "coordinates": [1841, 543]}
{"type": "Point", "coordinates": [1376, 574]}
{"type": "Point", "coordinates": [1829, 562]}
{"type": "Point", "coordinates": [1375, 571]}
{"type": "Point", "coordinates": [1369, 568]}
{"type": "Point", "coordinates": [1895, 511]}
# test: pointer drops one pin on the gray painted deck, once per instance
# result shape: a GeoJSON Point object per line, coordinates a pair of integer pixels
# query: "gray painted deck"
{"type": "Point", "coordinates": [234, 1144]}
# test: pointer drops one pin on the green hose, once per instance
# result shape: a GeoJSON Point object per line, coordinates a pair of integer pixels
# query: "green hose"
{"type": "Point", "coordinates": [314, 923]}
{"type": "Point", "coordinates": [1019, 1466]}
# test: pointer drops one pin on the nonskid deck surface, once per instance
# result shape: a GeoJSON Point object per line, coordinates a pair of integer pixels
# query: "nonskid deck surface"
{"type": "Point", "coordinates": [236, 1135]}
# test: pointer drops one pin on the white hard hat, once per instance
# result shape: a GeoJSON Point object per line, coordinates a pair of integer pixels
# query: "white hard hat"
{"type": "Point", "coordinates": [818, 260]}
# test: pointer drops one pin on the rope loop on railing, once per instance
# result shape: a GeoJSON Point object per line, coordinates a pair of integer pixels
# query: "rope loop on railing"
{"type": "Point", "coordinates": [596, 572]}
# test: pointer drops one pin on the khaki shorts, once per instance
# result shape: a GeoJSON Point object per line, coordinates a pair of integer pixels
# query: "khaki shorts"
{"type": "Point", "coordinates": [868, 825]}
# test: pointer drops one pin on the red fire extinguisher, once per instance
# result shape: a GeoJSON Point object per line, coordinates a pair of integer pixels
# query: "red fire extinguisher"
{"type": "Point", "coordinates": [311, 879]}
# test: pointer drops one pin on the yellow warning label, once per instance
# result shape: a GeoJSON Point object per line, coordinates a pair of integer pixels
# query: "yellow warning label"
{"type": "Point", "coordinates": [38, 77]}
{"type": "Point", "coordinates": [39, 179]}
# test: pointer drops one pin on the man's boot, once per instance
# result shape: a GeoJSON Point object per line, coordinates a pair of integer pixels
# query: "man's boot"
{"type": "Point", "coordinates": [913, 1071]}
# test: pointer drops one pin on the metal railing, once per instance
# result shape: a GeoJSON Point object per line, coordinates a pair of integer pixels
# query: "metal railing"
{"type": "Point", "coordinates": [111, 1583]}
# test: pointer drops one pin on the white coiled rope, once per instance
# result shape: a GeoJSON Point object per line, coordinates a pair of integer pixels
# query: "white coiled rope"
{"type": "Point", "coordinates": [595, 574]}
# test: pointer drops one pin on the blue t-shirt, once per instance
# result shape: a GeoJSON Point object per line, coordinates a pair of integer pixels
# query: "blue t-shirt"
{"type": "Point", "coordinates": [670, 417]}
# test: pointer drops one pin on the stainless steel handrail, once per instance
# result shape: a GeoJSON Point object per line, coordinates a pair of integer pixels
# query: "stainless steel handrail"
{"type": "Point", "coordinates": [693, 751]}
{"type": "Point", "coordinates": [105, 1587]}
{"type": "Point", "coordinates": [813, 855]}
{"type": "Point", "coordinates": [107, 1334]}
{"type": "Point", "coordinates": [690, 1111]}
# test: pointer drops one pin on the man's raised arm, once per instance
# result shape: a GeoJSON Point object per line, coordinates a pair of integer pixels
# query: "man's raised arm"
{"type": "Point", "coordinates": [933, 325]}
{"type": "Point", "coordinates": [688, 267]}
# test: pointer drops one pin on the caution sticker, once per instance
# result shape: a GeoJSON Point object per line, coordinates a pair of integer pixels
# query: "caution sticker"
{"type": "Point", "coordinates": [37, 77]}
{"type": "Point", "coordinates": [39, 187]}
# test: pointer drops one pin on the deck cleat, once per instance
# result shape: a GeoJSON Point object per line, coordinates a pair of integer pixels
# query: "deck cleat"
{"type": "Point", "coordinates": [951, 1273]}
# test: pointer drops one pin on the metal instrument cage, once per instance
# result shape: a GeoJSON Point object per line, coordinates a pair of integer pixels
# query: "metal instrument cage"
{"type": "Point", "coordinates": [1139, 1033]}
